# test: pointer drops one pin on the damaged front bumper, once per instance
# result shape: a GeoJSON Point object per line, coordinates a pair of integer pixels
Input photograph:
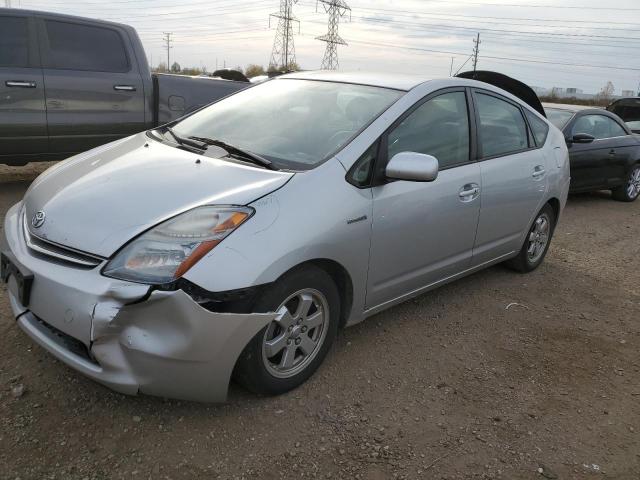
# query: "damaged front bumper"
{"type": "Point", "coordinates": [114, 332]}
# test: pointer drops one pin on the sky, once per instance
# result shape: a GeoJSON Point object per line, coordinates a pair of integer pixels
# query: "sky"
{"type": "Point", "coordinates": [547, 43]}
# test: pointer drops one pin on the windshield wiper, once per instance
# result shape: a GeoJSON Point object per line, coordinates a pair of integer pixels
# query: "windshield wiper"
{"type": "Point", "coordinates": [243, 154]}
{"type": "Point", "coordinates": [190, 144]}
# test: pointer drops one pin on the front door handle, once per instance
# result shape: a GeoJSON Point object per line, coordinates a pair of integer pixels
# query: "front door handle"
{"type": "Point", "coordinates": [469, 192]}
{"type": "Point", "coordinates": [539, 171]}
{"type": "Point", "coordinates": [612, 152]}
{"type": "Point", "coordinates": [20, 84]}
{"type": "Point", "coordinates": [124, 88]}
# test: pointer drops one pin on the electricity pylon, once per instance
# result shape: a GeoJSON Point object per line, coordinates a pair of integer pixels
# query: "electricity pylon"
{"type": "Point", "coordinates": [283, 54]}
{"type": "Point", "coordinates": [335, 9]}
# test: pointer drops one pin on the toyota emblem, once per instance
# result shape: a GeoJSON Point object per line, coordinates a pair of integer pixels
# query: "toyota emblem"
{"type": "Point", "coordinates": [38, 219]}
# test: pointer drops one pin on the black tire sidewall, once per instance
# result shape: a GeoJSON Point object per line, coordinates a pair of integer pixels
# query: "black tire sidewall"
{"type": "Point", "coordinates": [621, 193]}
{"type": "Point", "coordinates": [250, 370]}
{"type": "Point", "coordinates": [530, 266]}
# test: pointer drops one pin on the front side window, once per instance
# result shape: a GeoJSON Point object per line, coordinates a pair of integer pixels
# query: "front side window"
{"type": "Point", "coordinates": [539, 128]}
{"type": "Point", "coordinates": [502, 128]}
{"type": "Point", "coordinates": [84, 47]}
{"type": "Point", "coordinates": [14, 41]}
{"type": "Point", "coordinates": [295, 123]}
{"type": "Point", "coordinates": [439, 127]}
{"type": "Point", "coordinates": [598, 126]}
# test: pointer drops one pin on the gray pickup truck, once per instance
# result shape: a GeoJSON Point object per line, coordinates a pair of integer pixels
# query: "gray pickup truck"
{"type": "Point", "coordinates": [68, 84]}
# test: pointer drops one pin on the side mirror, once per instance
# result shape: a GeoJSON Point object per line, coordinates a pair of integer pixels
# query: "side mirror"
{"type": "Point", "coordinates": [412, 166]}
{"type": "Point", "coordinates": [582, 138]}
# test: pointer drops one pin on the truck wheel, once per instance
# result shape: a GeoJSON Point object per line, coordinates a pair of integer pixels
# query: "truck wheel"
{"type": "Point", "coordinates": [285, 353]}
{"type": "Point", "coordinates": [631, 190]}
{"type": "Point", "coordinates": [536, 242]}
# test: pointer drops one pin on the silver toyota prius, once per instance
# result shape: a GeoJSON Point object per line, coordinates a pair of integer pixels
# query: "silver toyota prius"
{"type": "Point", "coordinates": [237, 241]}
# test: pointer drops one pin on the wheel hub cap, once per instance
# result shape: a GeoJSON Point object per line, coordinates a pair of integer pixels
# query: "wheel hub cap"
{"type": "Point", "coordinates": [538, 238]}
{"type": "Point", "coordinates": [294, 339]}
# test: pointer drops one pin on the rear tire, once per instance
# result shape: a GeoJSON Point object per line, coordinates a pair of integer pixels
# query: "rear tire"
{"type": "Point", "coordinates": [285, 353]}
{"type": "Point", "coordinates": [536, 244]}
{"type": "Point", "coordinates": [630, 191]}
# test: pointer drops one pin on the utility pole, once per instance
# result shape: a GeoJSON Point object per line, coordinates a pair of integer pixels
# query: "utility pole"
{"type": "Point", "coordinates": [7, 3]}
{"type": "Point", "coordinates": [283, 54]}
{"type": "Point", "coordinates": [476, 50]}
{"type": "Point", "coordinates": [335, 9]}
{"type": "Point", "coordinates": [167, 38]}
{"type": "Point", "coordinates": [451, 67]}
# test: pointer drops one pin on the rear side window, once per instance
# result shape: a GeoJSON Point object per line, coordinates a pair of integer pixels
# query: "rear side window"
{"type": "Point", "coordinates": [84, 47]}
{"type": "Point", "coordinates": [14, 42]}
{"type": "Point", "coordinates": [539, 128]}
{"type": "Point", "coordinates": [502, 127]}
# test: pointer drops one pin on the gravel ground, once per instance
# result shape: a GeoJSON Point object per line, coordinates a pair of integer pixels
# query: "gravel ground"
{"type": "Point", "coordinates": [452, 385]}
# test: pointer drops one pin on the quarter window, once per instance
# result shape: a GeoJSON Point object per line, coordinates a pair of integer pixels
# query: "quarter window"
{"type": "Point", "coordinates": [84, 47]}
{"type": "Point", "coordinates": [502, 128]}
{"type": "Point", "coordinates": [14, 41]}
{"type": "Point", "coordinates": [439, 127]}
{"type": "Point", "coordinates": [598, 126]}
{"type": "Point", "coordinates": [539, 128]}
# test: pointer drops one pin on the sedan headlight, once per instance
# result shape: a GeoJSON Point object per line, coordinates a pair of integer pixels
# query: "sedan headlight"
{"type": "Point", "coordinates": [169, 250]}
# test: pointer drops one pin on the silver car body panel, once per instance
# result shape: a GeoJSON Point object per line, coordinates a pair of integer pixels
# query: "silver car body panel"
{"type": "Point", "coordinates": [164, 344]}
{"type": "Point", "coordinates": [151, 181]}
{"type": "Point", "coordinates": [392, 242]}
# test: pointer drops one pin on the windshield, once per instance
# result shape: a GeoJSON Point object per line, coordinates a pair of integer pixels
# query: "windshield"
{"type": "Point", "coordinates": [294, 123]}
{"type": "Point", "coordinates": [558, 117]}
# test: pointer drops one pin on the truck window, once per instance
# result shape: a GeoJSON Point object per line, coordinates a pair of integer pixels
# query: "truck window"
{"type": "Point", "coordinates": [83, 47]}
{"type": "Point", "coordinates": [14, 41]}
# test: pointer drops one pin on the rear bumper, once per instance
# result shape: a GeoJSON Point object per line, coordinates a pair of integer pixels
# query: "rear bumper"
{"type": "Point", "coordinates": [163, 344]}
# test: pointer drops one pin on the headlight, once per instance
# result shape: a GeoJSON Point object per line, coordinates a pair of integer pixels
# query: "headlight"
{"type": "Point", "coordinates": [168, 251]}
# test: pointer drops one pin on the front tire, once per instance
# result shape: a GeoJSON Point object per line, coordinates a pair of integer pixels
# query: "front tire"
{"type": "Point", "coordinates": [285, 353]}
{"type": "Point", "coordinates": [630, 191]}
{"type": "Point", "coordinates": [536, 244]}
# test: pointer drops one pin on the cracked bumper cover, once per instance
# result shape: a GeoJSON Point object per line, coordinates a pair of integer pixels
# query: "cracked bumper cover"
{"type": "Point", "coordinates": [165, 345]}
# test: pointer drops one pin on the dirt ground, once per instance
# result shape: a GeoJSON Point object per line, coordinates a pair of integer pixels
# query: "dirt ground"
{"type": "Point", "coordinates": [452, 385]}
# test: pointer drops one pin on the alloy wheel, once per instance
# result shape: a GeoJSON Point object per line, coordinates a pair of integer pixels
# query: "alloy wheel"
{"type": "Point", "coordinates": [293, 340]}
{"type": "Point", "coordinates": [538, 238]}
{"type": "Point", "coordinates": [633, 187]}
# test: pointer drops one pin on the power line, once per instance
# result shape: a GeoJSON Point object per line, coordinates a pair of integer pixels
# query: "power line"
{"type": "Point", "coordinates": [520, 5]}
{"type": "Point", "coordinates": [336, 9]}
{"type": "Point", "coordinates": [283, 54]}
{"type": "Point", "coordinates": [448, 52]}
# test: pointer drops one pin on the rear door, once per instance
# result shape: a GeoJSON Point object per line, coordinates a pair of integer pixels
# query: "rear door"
{"type": "Point", "coordinates": [23, 122]}
{"type": "Point", "coordinates": [94, 91]}
{"type": "Point", "coordinates": [513, 173]}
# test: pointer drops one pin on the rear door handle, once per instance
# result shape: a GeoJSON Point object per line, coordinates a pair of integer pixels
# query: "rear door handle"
{"type": "Point", "coordinates": [539, 171]}
{"type": "Point", "coordinates": [124, 88]}
{"type": "Point", "coordinates": [612, 152]}
{"type": "Point", "coordinates": [20, 84]}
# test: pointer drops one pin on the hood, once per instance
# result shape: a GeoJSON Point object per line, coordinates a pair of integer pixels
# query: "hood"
{"type": "Point", "coordinates": [515, 87]}
{"type": "Point", "coordinates": [97, 201]}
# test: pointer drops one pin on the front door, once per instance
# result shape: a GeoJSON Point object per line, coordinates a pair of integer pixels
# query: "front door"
{"type": "Point", "coordinates": [23, 120]}
{"type": "Point", "coordinates": [599, 163]}
{"type": "Point", "coordinates": [424, 232]}
{"type": "Point", "coordinates": [94, 90]}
